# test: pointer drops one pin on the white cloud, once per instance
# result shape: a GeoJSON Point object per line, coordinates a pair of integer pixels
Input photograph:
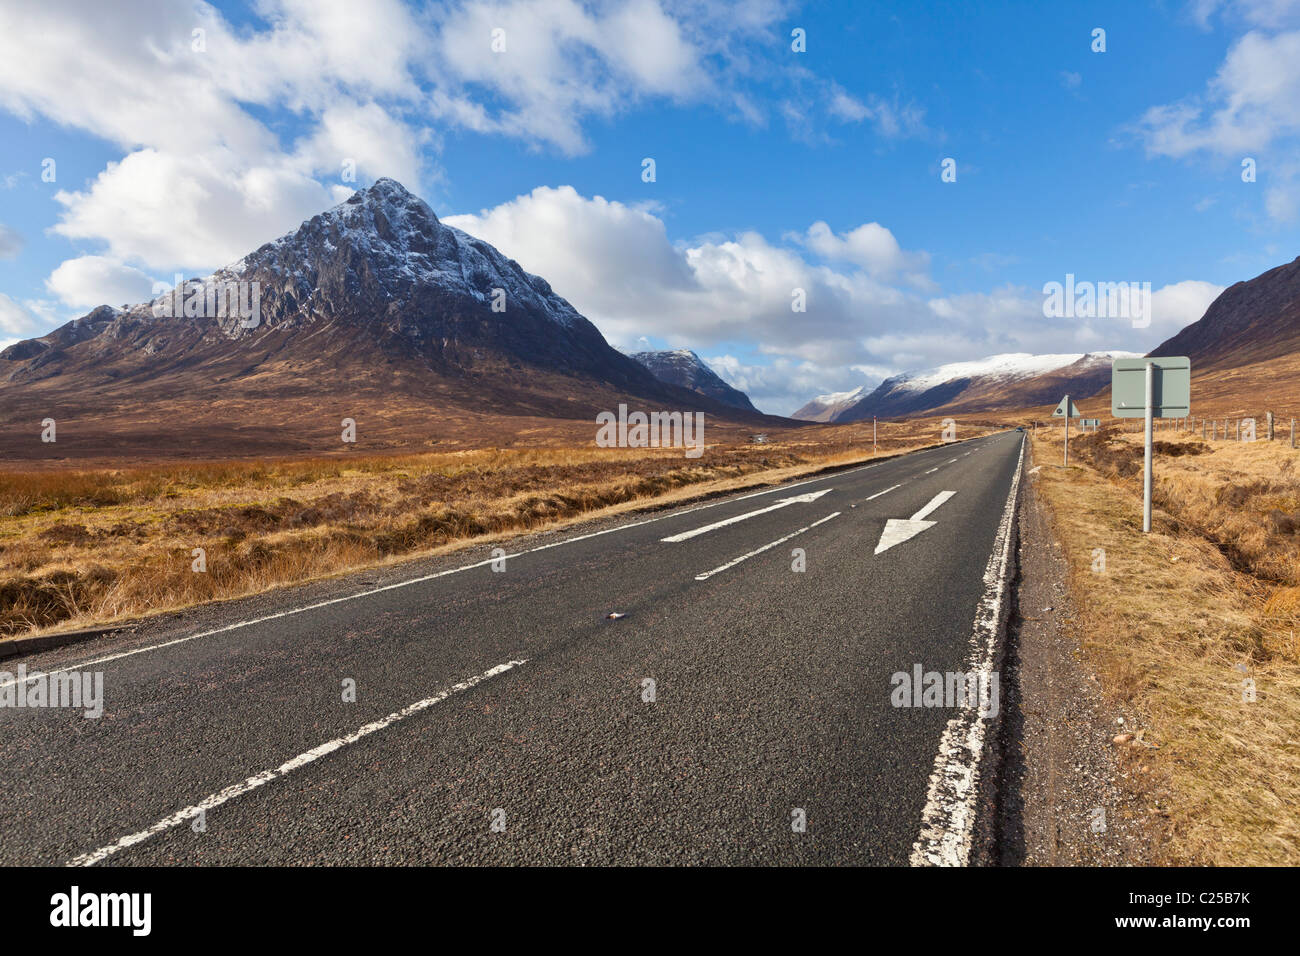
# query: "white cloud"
{"type": "Point", "coordinates": [783, 386]}
{"type": "Point", "coordinates": [891, 119]}
{"type": "Point", "coordinates": [871, 247]}
{"type": "Point", "coordinates": [1175, 306]}
{"type": "Point", "coordinates": [16, 321]}
{"type": "Point", "coordinates": [1248, 109]}
{"type": "Point", "coordinates": [1250, 103]}
{"type": "Point", "coordinates": [90, 281]}
{"type": "Point", "coordinates": [1263, 13]}
{"type": "Point", "coordinates": [561, 63]}
{"type": "Point", "coordinates": [615, 263]}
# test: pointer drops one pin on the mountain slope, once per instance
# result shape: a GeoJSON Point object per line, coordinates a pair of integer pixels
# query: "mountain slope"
{"type": "Point", "coordinates": [1252, 321]}
{"type": "Point", "coordinates": [684, 368]}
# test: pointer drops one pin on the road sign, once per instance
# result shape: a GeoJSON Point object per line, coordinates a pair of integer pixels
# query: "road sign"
{"type": "Point", "coordinates": [1154, 387]}
{"type": "Point", "coordinates": [1091, 423]}
{"type": "Point", "coordinates": [1171, 387]}
{"type": "Point", "coordinates": [1066, 403]}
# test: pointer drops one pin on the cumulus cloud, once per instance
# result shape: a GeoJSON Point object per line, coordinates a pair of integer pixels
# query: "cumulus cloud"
{"type": "Point", "coordinates": [1247, 109]}
{"type": "Point", "coordinates": [871, 247]}
{"type": "Point", "coordinates": [1263, 13]}
{"type": "Point", "coordinates": [16, 321]}
{"type": "Point", "coordinates": [864, 320]}
{"type": "Point", "coordinates": [196, 103]}
{"type": "Point", "coordinates": [556, 62]}
{"type": "Point", "coordinates": [783, 386]}
{"type": "Point", "coordinates": [90, 281]}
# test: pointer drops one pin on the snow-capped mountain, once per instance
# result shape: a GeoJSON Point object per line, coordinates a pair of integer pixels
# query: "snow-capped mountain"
{"type": "Point", "coordinates": [825, 408]}
{"type": "Point", "coordinates": [378, 270]}
{"type": "Point", "coordinates": [1011, 380]}
{"type": "Point", "coordinates": [369, 305]}
{"type": "Point", "coordinates": [684, 368]}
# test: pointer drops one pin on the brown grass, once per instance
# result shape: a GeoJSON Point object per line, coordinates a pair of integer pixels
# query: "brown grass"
{"type": "Point", "coordinates": [1181, 617]}
{"type": "Point", "coordinates": [94, 546]}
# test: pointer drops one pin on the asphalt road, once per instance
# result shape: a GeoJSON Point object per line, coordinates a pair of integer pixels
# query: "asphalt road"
{"type": "Point", "coordinates": [501, 717]}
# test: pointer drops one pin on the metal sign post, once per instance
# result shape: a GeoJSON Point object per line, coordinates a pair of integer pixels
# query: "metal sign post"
{"type": "Point", "coordinates": [1150, 388]}
{"type": "Point", "coordinates": [1067, 410]}
{"type": "Point", "coordinates": [1146, 461]}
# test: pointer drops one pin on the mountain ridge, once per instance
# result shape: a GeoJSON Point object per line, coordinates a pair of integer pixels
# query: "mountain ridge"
{"type": "Point", "coordinates": [684, 368]}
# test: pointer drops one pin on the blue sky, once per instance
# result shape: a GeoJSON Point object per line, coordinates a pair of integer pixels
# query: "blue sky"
{"type": "Point", "coordinates": [775, 169]}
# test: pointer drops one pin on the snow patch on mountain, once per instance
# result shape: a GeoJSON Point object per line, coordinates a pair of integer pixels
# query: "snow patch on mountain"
{"type": "Point", "coordinates": [1007, 367]}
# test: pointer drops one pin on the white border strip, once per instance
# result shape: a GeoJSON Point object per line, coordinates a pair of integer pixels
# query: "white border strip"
{"type": "Point", "coordinates": [767, 547]}
{"type": "Point", "coordinates": [949, 814]}
{"type": "Point", "coordinates": [266, 776]}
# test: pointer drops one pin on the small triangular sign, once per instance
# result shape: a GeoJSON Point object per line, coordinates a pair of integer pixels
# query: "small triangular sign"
{"type": "Point", "coordinates": [1061, 412]}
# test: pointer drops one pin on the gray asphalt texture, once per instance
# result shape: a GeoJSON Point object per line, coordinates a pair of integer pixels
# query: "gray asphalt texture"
{"type": "Point", "coordinates": [772, 693]}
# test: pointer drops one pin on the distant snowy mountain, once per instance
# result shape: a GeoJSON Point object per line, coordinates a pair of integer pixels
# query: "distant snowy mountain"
{"type": "Point", "coordinates": [1011, 380]}
{"type": "Point", "coordinates": [684, 368]}
{"type": "Point", "coordinates": [825, 408]}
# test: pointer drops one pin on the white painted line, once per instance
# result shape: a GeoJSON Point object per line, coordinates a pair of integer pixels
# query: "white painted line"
{"type": "Point", "coordinates": [266, 776]}
{"type": "Point", "coordinates": [767, 547]}
{"type": "Point", "coordinates": [931, 471]}
{"type": "Point", "coordinates": [879, 493]}
{"type": "Point", "coordinates": [950, 461]}
{"type": "Point", "coordinates": [783, 503]}
{"type": "Point", "coordinates": [949, 814]}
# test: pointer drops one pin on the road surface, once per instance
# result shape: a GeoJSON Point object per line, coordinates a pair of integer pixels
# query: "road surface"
{"type": "Point", "coordinates": [738, 711]}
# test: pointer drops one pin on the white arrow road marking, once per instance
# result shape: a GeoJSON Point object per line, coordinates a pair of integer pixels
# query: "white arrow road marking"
{"type": "Point", "coordinates": [767, 547]}
{"type": "Point", "coordinates": [266, 776]}
{"type": "Point", "coordinates": [898, 530]}
{"type": "Point", "coordinates": [784, 502]}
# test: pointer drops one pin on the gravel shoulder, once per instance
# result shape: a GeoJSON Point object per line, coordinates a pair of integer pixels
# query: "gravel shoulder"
{"type": "Point", "coordinates": [1058, 770]}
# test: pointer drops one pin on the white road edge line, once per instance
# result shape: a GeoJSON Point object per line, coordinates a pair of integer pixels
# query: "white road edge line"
{"type": "Point", "coordinates": [949, 814]}
{"type": "Point", "coordinates": [266, 776]}
{"type": "Point", "coordinates": [767, 547]}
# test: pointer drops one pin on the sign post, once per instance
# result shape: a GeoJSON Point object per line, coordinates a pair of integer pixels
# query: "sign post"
{"type": "Point", "coordinates": [1150, 388]}
{"type": "Point", "coordinates": [1067, 410]}
{"type": "Point", "coordinates": [1146, 454]}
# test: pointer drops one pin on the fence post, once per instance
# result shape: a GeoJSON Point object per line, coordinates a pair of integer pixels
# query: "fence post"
{"type": "Point", "coordinates": [1270, 425]}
